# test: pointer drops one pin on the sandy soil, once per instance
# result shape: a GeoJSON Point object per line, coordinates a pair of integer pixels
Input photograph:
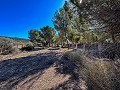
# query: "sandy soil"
{"type": "Point", "coordinates": [37, 70]}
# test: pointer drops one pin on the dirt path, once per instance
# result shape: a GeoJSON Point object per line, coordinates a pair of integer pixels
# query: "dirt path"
{"type": "Point", "coordinates": [37, 70]}
{"type": "Point", "coordinates": [25, 54]}
{"type": "Point", "coordinates": [44, 82]}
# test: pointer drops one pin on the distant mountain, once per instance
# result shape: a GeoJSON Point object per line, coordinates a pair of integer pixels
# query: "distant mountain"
{"type": "Point", "coordinates": [16, 39]}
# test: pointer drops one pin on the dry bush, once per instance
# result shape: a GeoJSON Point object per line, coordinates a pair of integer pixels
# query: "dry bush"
{"type": "Point", "coordinates": [98, 74]}
{"type": "Point", "coordinates": [75, 56]}
{"type": "Point", "coordinates": [101, 75]}
{"type": "Point", "coordinates": [7, 46]}
{"type": "Point", "coordinates": [111, 51]}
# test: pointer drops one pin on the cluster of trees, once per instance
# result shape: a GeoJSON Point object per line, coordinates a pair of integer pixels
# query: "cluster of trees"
{"type": "Point", "coordinates": [104, 14]}
{"type": "Point", "coordinates": [82, 21]}
{"type": "Point", "coordinates": [45, 36]}
{"type": "Point", "coordinates": [73, 24]}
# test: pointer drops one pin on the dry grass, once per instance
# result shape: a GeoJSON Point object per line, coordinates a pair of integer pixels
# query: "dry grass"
{"type": "Point", "coordinates": [99, 74]}
{"type": "Point", "coordinates": [75, 56]}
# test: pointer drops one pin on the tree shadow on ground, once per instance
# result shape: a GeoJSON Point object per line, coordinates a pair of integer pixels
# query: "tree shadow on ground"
{"type": "Point", "coordinates": [14, 71]}
{"type": "Point", "coordinates": [64, 66]}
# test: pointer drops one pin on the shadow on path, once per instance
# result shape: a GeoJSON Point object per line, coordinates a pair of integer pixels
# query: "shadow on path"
{"type": "Point", "coordinates": [64, 66]}
{"type": "Point", "coordinates": [13, 71]}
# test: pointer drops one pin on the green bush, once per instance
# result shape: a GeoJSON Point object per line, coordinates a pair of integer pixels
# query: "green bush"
{"type": "Point", "coordinates": [28, 47]}
{"type": "Point", "coordinates": [6, 46]}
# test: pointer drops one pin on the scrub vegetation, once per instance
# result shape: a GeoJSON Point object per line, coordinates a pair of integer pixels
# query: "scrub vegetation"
{"type": "Point", "coordinates": [81, 51]}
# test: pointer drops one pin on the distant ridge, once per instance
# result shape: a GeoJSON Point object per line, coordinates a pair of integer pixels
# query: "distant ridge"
{"type": "Point", "coordinates": [22, 40]}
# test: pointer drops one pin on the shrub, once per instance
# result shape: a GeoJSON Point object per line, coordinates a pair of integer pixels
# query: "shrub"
{"type": "Point", "coordinates": [98, 74]}
{"type": "Point", "coordinates": [77, 57]}
{"type": "Point", "coordinates": [111, 51]}
{"type": "Point", "coordinates": [28, 47]}
{"type": "Point", "coordinates": [101, 75]}
{"type": "Point", "coordinates": [6, 45]}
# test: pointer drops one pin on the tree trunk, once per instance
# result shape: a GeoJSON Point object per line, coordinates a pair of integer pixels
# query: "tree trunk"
{"type": "Point", "coordinates": [76, 46]}
{"type": "Point", "coordinates": [113, 38]}
{"type": "Point", "coordinates": [72, 45]}
{"type": "Point", "coordinates": [68, 45]}
{"type": "Point", "coordinates": [83, 47]}
{"type": "Point", "coordinates": [49, 44]}
{"type": "Point", "coordinates": [67, 40]}
{"type": "Point", "coordinates": [99, 46]}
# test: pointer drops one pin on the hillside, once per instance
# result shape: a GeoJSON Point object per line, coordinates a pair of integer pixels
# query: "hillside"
{"type": "Point", "coordinates": [16, 39]}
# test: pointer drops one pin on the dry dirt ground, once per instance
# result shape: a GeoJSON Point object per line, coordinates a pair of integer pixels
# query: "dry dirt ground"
{"type": "Point", "coordinates": [38, 70]}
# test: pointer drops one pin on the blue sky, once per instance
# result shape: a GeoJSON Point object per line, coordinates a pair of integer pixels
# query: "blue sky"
{"type": "Point", "coordinates": [19, 16]}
